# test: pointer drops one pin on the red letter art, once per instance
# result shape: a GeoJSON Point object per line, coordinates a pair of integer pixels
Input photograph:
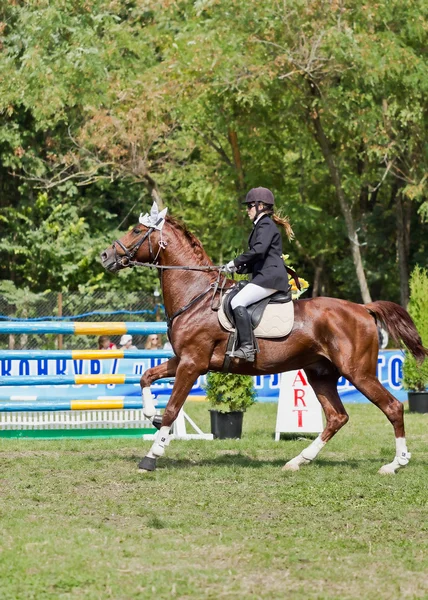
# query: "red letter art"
{"type": "Point", "coordinates": [300, 417]}
{"type": "Point", "coordinates": [300, 376]}
{"type": "Point", "coordinates": [299, 395]}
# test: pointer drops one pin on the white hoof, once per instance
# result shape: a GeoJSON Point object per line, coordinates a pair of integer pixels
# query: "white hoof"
{"type": "Point", "coordinates": [295, 463]}
{"type": "Point", "coordinates": [388, 469]}
{"type": "Point", "coordinates": [398, 463]}
{"type": "Point", "coordinates": [291, 466]}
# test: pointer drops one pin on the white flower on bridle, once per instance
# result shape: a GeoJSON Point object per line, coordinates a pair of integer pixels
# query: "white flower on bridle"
{"type": "Point", "coordinates": [155, 219]}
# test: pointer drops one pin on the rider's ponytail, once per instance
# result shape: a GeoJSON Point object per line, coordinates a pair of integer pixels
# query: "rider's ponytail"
{"type": "Point", "coordinates": [285, 223]}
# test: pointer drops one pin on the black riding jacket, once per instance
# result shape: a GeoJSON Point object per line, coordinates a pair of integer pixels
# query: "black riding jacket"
{"type": "Point", "coordinates": [264, 257]}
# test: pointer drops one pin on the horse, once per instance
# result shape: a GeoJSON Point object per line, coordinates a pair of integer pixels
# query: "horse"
{"type": "Point", "coordinates": [330, 338]}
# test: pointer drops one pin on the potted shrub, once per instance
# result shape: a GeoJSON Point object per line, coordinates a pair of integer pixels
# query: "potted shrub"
{"type": "Point", "coordinates": [229, 396]}
{"type": "Point", "coordinates": [415, 377]}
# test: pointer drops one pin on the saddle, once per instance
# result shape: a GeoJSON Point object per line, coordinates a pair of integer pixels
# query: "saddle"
{"type": "Point", "coordinates": [271, 317]}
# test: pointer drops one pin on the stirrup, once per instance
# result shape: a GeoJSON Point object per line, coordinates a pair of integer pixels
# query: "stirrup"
{"type": "Point", "coordinates": [248, 355]}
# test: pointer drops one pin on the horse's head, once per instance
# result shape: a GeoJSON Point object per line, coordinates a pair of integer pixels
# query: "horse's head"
{"type": "Point", "coordinates": [142, 243]}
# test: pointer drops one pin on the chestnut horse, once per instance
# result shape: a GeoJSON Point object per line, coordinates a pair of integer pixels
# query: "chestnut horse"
{"type": "Point", "coordinates": [330, 338]}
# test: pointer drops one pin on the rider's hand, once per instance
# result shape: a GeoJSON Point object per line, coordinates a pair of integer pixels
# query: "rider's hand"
{"type": "Point", "coordinates": [230, 267]}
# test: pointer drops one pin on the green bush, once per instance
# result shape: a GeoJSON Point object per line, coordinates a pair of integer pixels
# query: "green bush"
{"type": "Point", "coordinates": [415, 377]}
{"type": "Point", "coordinates": [227, 392]}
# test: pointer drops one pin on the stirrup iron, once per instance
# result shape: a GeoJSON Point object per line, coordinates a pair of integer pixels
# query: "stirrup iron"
{"type": "Point", "coordinates": [247, 355]}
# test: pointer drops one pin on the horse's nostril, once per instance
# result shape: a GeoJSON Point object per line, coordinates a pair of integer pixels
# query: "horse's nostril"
{"type": "Point", "coordinates": [103, 255]}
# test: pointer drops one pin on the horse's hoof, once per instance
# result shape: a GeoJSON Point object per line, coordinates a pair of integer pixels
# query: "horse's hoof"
{"type": "Point", "coordinates": [147, 465]}
{"type": "Point", "coordinates": [387, 470]}
{"type": "Point", "coordinates": [157, 421]}
{"type": "Point", "coordinates": [290, 466]}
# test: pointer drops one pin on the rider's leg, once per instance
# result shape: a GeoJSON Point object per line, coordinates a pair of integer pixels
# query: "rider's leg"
{"type": "Point", "coordinates": [248, 295]}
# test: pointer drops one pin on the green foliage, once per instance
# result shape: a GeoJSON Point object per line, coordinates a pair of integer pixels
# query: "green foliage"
{"type": "Point", "coordinates": [415, 377]}
{"type": "Point", "coordinates": [227, 392]}
{"type": "Point", "coordinates": [104, 102]}
{"type": "Point", "coordinates": [21, 298]}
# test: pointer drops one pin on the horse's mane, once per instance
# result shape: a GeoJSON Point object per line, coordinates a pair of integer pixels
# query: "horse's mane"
{"type": "Point", "coordinates": [192, 239]}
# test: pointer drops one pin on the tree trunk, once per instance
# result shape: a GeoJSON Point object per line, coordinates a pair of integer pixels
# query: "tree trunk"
{"type": "Point", "coordinates": [402, 214]}
{"type": "Point", "coordinates": [240, 181]}
{"type": "Point", "coordinates": [318, 267]}
{"type": "Point", "coordinates": [344, 206]}
{"type": "Point", "coordinates": [316, 286]}
{"type": "Point", "coordinates": [153, 189]}
{"type": "Point", "coordinates": [233, 140]}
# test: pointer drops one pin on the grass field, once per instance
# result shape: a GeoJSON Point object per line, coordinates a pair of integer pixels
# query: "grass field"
{"type": "Point", "coordinates": [217, 519]}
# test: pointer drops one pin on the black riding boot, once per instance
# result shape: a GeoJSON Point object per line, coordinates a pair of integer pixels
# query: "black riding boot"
{"type": "Point", "coordinates": [245, 334]}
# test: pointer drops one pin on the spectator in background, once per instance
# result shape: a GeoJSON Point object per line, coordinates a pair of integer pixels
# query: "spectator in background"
{"type": "Point", "coordinates": [167, 345]}
{"type": "Point", "coordinates": [126, 342]}
{"type": "Point", "coordinates": [153, 342]}
{"type": "Point", "coordinates": [105, 343]}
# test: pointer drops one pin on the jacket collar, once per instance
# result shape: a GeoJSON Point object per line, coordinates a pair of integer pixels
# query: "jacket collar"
{"type": "Point", "coordinates": [259, 219]}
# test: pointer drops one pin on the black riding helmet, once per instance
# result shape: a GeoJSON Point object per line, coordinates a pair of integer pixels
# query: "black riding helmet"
{"type": "Point", "coordinates": [260, 194]}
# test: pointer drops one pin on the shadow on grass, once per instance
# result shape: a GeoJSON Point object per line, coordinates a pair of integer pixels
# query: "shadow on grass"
{"type": "Point", "coordinates": [296, 437]}
{"type": "Point", "coordinates": [243, 461]}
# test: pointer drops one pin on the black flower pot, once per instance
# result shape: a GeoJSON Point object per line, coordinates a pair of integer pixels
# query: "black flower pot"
{"type": "Point", "coordinates": [418, 401]}
{"type": "Point", "coordinates": [226, 425]}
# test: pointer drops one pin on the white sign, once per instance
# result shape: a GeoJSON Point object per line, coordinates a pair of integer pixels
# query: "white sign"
{"type": "Point", "coordinates": [298, 408]}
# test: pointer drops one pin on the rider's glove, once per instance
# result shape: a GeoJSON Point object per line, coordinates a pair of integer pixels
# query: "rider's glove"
{"type": "Point", "coordinates": [230, 267]}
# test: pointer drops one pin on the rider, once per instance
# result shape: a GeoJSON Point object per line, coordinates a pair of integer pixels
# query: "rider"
{"type": "Point", "coordinates": [263, 260]}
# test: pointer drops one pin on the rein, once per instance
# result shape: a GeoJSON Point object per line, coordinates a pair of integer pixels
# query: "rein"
{"type": "Point", "coordinates": [214, 286]}
{"type": "Point", "coordinates": [181, 310]}
{"type": "Point", "coordinates": [134, 263]}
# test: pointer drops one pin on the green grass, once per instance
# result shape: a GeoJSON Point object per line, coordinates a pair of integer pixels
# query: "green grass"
{"type": "Point", "coordinates": [217, 519]}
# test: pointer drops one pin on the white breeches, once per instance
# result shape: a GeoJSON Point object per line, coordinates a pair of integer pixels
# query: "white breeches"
{"type": "Point", "coordinates": [249, 294]}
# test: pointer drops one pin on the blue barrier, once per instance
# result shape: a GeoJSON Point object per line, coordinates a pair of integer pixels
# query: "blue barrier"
{"type": "Point", "coordinates": [84, 328]}
{"type": "Point", "coordinates": [25, 413]}
{"type": "Point", "coordinates": [81, 354]}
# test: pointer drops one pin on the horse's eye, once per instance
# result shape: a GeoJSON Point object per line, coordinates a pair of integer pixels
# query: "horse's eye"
{"type": "Point", "coordinates": [136, 230]}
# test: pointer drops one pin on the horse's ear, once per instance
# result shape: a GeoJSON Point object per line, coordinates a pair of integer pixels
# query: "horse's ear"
{"type": "Point", "coordinates": [156, 219]}
{"type": "Point", "coordinates": [162, 214]}
{"type": "Point", "coordinates": [154, 212]}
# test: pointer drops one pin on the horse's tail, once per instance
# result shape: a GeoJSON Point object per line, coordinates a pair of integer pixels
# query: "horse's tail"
{"type": "Point", "coordinates": [400, 326]}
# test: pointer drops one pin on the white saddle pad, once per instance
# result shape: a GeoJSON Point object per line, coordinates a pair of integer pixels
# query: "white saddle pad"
{"type": "Point", "coordinates": [277, 321]}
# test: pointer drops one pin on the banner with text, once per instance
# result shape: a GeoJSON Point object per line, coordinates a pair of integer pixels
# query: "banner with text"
{"type": "Point", "coordinates": [267, 387]}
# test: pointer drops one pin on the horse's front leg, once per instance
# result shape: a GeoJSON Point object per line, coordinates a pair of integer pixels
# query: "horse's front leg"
{"type": "Point", "coordinates": [185, 377]}
{"type": "Point", "coordinates": [166, 369]}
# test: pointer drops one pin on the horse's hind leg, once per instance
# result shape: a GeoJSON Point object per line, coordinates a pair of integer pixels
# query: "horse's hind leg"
{"type": "Point", "coordinates": [323, 379]}
{"type": "Point", "coordinates": [370, 386]}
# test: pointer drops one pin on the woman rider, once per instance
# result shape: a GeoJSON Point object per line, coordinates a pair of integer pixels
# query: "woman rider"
{"type": "Point", "coordinates": [263, 260]}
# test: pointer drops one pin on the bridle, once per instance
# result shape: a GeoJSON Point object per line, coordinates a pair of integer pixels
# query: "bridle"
{"type": "Point", "coordinates": [127, 259]}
